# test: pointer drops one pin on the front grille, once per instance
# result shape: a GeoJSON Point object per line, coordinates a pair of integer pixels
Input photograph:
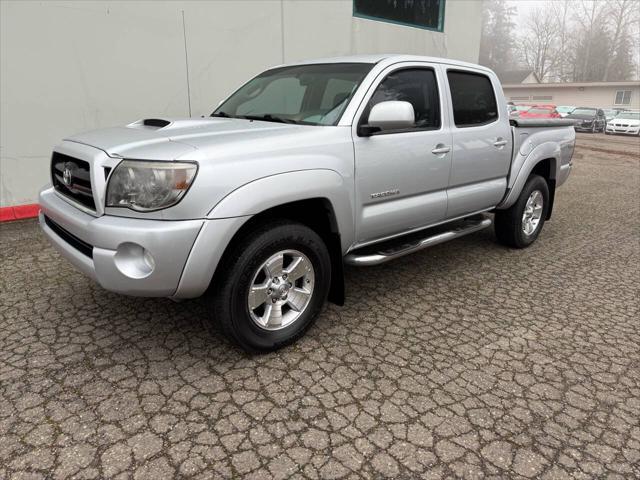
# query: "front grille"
{"type": "Point", "coordinates": [70, 238]}
{"type": "Point", "coordinates": [72, 178]}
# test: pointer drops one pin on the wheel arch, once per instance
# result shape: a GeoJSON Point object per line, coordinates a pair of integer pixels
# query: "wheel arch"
{"type": "Point", "coordinates": [546, 168]}
{"type": "Point", "coordinates": [319, 215]}
{"type": "Point", "coordinates": [544, 160]}
{"type": "Point", "coordinates": [319, 199]}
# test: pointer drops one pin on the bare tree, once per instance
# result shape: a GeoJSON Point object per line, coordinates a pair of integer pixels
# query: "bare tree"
{"type": "Point", "coordinates": [590, 17]}
{"type": "Point", "coordinates": [562, 11]}
{"type": "Point", "coordinates": [622, 14]}
{"type": "Point", "coordinates": [565, 40]}
{"type": "Point", "coordinates": [539, 46]}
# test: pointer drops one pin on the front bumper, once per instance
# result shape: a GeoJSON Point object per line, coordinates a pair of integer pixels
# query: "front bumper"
{"type": "Point", "coordinates": [635, 130]}
{"type": "Point", "coordinates": [583, 128]}
{"type": "Point", "coordinates": [124, 255]}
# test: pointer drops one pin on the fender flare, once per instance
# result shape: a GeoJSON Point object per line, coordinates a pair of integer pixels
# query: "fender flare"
{"type": "Point", "coordinates": [545, 151]}
{"type": "Point", "coordinates": [267, 192]}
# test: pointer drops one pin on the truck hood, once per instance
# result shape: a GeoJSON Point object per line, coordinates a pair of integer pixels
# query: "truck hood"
{"type": "Point", "coordinates": [171, 138]}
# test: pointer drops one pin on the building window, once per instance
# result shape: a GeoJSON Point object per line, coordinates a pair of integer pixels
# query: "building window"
{"type": "Point", "coordinates": [547, 98]}
{"type": "Point", "coordinates": [427, 14]}
{"type": "Point", "coordinates": [623, 97]}
{"type": "Point", "coordinates": [520, 99]}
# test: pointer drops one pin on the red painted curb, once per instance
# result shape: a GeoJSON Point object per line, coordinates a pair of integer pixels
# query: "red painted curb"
{"type": "Point", "coordinates": [19, 212]}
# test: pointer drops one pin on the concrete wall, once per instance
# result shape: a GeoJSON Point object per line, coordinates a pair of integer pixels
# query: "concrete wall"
{"type": "Point", "coordinates": [71, 66]}
{"type": "Point", "coordinates": [586, 96]}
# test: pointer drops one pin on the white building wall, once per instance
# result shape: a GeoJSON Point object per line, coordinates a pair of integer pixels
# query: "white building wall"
{"type": "Point", "coordinates": [69, 66]}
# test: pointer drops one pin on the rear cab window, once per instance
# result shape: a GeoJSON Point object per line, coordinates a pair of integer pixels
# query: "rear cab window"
{"type": "Point", "coordinates": [472, 98]}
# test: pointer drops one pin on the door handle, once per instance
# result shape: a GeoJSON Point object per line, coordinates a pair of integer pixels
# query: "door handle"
{"type": "Point", "coordinates": [441, 149]}
{"type": "Point", "coordinates": [500, 143]}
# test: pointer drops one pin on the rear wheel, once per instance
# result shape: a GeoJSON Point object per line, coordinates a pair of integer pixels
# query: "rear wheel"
{"type": "Point", "coordinates": [520, 225]}
{"type": "Point", "coordinates": [272, 286]}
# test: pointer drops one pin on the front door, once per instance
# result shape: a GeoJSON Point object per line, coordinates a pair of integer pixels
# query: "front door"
{"type": "Point", "coordinates": [402, 175]}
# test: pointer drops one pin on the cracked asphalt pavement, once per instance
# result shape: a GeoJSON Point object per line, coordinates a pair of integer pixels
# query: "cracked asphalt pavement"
{"type": "Point", "coordinates": [468, 360]}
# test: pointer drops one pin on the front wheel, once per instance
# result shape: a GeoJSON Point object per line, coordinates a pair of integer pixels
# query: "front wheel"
{"type": "Point", "coordinates": [520, 225]}
{"type": "Point", "coordinates": [271, 287]}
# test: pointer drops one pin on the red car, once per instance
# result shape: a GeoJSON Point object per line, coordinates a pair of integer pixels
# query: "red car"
{"type": "Point", "coordinates": [541, 111]}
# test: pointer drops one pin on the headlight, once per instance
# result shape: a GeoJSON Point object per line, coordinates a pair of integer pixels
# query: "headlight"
{"type": "Point", "coordinates": [145, 186]}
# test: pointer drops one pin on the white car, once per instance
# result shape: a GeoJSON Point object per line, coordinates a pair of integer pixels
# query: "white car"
{"type": "Point", "coordinates": [627, 123]}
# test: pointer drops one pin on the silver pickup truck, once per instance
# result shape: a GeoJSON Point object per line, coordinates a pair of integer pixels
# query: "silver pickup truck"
{"type": "Point", "coordinates": [306, 167]}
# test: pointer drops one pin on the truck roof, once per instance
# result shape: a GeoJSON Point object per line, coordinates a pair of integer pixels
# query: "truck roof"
{"type": "Point", "coordinates": [387, 58]}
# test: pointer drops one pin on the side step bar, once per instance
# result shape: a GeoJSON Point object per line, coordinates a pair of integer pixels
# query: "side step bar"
{"type": "Point", "coordinates": [390, 250]}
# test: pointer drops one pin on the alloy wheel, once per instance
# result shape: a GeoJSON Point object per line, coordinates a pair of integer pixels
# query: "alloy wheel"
{"type": "Point", "coordinates": [281, 290]}
{"type": "Point", "coordinates": [532, 212]}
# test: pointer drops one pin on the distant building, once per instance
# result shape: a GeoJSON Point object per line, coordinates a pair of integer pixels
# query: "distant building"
{"type": "Point", "coordinates": [581, 94]}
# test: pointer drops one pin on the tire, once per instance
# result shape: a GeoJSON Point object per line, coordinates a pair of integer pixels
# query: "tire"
{"type": "Point", "coordinates": [243, 267]}
{"type": "Point", "coordinates": [510, 224]}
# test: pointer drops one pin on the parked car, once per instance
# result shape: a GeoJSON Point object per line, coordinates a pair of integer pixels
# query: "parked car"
{"type": "Point", "coordinates": [565, 110]}
{"type": "Point", "coordinates": [588, 119]}
{"type": "Point", "coordinates": [357, 160]}
{"type": "Point", "coordinates": [522, 108]}
{"type": "Point", "coordinates": [627, 123]}
{"type": "Point", "coordinates": [515, 110]}
{"type": "Point", "coordinates": [541, 111]}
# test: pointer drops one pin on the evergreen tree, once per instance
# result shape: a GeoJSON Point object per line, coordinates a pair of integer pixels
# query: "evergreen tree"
{"type": "Point", "coordinates": [498, 40]}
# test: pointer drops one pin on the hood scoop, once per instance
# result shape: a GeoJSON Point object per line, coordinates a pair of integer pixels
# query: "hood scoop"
{"type": "Point", "coordinates": [168, 123]}
{"type": "Point", "coordinates": [155, 122]}
{"type": "Point", "coordinates": [151, 123]}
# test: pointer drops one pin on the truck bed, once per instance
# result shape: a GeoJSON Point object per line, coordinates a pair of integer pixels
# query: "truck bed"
{"type": "Point", "coordinates": [541, 122]}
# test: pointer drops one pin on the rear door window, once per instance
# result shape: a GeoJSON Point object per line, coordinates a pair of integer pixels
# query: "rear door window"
{"type": "Point", "coordinates": [473, 99]}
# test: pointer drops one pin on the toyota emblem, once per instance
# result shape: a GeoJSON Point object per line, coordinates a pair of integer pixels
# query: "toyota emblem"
{"type": "Point", "coordinates": [66, 175]}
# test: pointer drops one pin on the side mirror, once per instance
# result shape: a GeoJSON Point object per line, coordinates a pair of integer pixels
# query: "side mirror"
{"type": "Point", "coordinates": [390, 115]}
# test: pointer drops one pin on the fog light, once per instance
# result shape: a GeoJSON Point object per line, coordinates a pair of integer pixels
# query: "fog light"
{"type": "Point", "coordinates": [134, 261]}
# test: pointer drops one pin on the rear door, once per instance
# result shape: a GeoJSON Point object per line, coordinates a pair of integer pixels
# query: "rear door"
{"type": "Point", "coordinates": [400, 181]}
{"type": "Point", "coordinates": [481, 142]}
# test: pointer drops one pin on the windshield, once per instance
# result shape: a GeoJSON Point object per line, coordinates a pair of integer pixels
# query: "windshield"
{"type": "Point", "coordinates": [301, 94]}
{"type": "Point", "coordinates": [584, 111]}
{"type": "Point", "coordinates": [565, 109]}
{"type": "Point", "coordinates": [522, 108]}
{"type": "Point", "coordinates": [628, 116]}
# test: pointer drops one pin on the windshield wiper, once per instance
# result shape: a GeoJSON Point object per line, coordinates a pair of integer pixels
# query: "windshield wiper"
{"type": "Point", "coordinates": [268, 118]}
{"type": "Point", "coordinates": [221, 114]}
